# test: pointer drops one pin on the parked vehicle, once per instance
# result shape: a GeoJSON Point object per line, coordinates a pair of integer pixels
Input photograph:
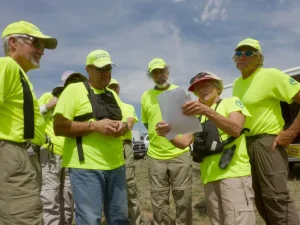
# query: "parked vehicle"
{"type": "Point", "coordinates": [146, 141]}
{"type": "Point", "coordinates": [139, 149]}
{"type": "Point", "coordinates": [289, 113]}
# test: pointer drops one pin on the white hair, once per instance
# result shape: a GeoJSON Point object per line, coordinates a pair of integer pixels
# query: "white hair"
{"type": "Point", "coordinates": [5, 44]}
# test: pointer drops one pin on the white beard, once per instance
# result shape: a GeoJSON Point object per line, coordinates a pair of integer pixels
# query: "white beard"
{"type": "Point", "coordinates": [161, 86]}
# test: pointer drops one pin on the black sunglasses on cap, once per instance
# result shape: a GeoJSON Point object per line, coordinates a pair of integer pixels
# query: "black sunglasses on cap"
{"type": "Point", "coordinates": [198, 76]}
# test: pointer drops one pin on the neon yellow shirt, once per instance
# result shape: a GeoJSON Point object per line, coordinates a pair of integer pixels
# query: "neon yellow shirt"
{"type": "Point", "coordinates": [159, 147]}
{"type": "Point", "coordinates": [57, 141]}
{"type": "Point", "coordinates": [261, 93]}
{"type": "Point", "coordinates": [11, 105]}
{"type": "Point", "coordinates": [239, 165]}
{"type": "Point", "coordinates": [101, 152]}
{"type": "Point", "coordinates": [128, 111]}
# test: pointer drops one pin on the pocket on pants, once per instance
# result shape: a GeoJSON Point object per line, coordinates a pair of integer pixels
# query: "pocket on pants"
{"type": "Point", "coordinates": [4, 213]}
{"type": "Point", "coordinates": [25, 204]}
{"type": "Point", "coordinates": [244, 214]}
{"type": "Point", "coordinates": [278, 181]}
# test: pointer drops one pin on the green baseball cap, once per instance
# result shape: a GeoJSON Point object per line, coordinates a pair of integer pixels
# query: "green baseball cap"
{"type": "Point", "coordinates": [249, 42]}
{"type": "Point", "coordinates": [156, 63]}
{"type": "Point", "coordinates": [23, 27]}
{"type": "Point", "coordinates": [99, 58]}
{"type": "Point", "coordinates": [113, 81]}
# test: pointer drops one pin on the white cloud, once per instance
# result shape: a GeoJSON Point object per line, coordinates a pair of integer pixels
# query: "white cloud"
{"type": "Point", "coordinates": [213, 10]}
{"type": "Point", "coordinates": [177, 1]}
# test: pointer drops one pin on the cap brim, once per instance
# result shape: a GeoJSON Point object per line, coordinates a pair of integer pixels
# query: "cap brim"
{"type": "Point", "coordinates": [157, 67]}
{"type": "Point", "coordinates": [50, 42]}
{"type": "Point", "coordinates": [192, 87]}
{"type": "Point", "coordinates": [238, 47]}
{"type": "Point", "coordinates": [102, 64]}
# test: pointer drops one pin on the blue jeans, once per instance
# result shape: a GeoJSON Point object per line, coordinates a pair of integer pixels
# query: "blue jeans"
{"type": "Point", "coordinates": [94, 188]}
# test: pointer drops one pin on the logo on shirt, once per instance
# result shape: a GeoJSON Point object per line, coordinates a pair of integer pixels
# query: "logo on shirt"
{"type": "Point", "coordinates": [239, 103]}
{"type": "Point", "coordinates": [293, 81]}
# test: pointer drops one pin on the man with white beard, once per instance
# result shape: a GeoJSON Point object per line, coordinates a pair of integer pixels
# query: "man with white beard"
{"type": "Point", "coordinates": [169, 167]}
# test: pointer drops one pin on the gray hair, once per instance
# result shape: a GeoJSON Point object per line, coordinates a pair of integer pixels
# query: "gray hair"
{"type": "Point", "coordinates": [5, 44]}
{"type": "Point", "coordinates": [261, 59]}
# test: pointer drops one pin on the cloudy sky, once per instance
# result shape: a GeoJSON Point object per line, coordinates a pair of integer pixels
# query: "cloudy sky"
{"type": "Point", "coordinates": [190, 35]}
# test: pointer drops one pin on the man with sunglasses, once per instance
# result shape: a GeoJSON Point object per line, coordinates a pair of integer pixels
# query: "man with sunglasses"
{"type": "Point", "coordinates": [261, 90]}
{"type": "Point", "coordinates": [22, 124]}
{"type": "Point", "coordinates": [169, 167]}
{"type": "Point", "coordinates": [89, 115]}
{"type": "Point", "coordinates": [56, 191]}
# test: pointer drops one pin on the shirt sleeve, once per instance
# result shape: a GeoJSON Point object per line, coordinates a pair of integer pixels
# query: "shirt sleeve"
{"type": "Point", "coordinates": [131, 113]}
{"type": "Point", "coordinates": [144, 117]}
{"type": "Point", "coordinates": [285, 87]}
{"type": "Point", "coordinates": [235, 105]}
{"type": "Point", "coordinates": [7, 76]}
{"type": "Point", "coordinates": [68, 101]}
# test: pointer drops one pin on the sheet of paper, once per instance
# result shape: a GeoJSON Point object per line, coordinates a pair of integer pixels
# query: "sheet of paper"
{"type": "Point", "coordinates": [170, 103]}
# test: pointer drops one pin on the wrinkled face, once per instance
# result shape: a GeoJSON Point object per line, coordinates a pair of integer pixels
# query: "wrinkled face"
{"type": "Point", "coordinates": [248, 60]}
{"type": "Point", "coordinates": [28, 50]}
{"type": "Point", "coordinates": [206, 91]}
{"type": "Point", "coordinates": [115, 87]}
{"type": "Point", "coordinates": [160, 77]}
{"type": "Point", "coordinates": [101, 76]}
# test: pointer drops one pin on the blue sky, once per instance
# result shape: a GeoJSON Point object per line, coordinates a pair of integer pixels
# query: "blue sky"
{"type": "Point", "coordinates": [190, 35]}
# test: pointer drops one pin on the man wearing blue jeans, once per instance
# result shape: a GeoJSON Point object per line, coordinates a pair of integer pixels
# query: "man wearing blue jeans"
{"type": "Point", "coordinates": [88, 114]}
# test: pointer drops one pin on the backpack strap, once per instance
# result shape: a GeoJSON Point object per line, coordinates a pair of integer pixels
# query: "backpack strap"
{"type": "Point", "coordinates": [28, 108]}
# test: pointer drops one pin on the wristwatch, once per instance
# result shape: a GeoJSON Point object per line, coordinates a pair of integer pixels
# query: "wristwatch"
{"type": "Point", "coordinates": [126, 125]}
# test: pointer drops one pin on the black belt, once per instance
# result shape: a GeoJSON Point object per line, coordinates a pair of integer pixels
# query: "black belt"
{"type": "Point", "coordinates": [25, 145]}
{"type": "Point", "coordinates": [127, 141]}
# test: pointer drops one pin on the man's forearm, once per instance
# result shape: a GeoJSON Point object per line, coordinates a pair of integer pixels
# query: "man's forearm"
{"type": "Point", "coordinates": [294, 129]}
{"type": "Point", "coordinates": [68, 128]}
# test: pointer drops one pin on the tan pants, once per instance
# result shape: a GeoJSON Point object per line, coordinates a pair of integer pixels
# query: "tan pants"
{"type": "Point", "coordinates": [132, 191]}
{"type": "Point", "coordinates": [20, 202]}
{"type": "Point", "coordinates": [56, 190]}
{"type": "Point", "coordinates": [174, 174]}
{"type": "Point", "coordinates": [230, 201]}
{"type": "Point", "coordinates": [270, 177]}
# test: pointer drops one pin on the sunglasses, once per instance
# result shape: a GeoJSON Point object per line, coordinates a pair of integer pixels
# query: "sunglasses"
{"type": "Point", "coordinates": [246, 53]}
{"type": "Point", "coordinates": [35, 42]}
{"type": "Point", "coordinates": [104, 69]}
{"type": "Point", "coordinates": [199, 75]}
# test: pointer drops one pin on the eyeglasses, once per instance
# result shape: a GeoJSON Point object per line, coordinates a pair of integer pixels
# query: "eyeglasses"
{"type": "Point", "coordinates": [199, 75]}
{"type": "Point", "coordinates": [246, 53]}
{"type": "Point", "coordinates": [104, 69]}
{"type": "Point", "coordinates": [36, 43]}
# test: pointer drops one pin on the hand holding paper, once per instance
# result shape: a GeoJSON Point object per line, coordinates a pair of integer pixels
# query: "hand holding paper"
{"type": "Point", "coordinates": [170, 103]}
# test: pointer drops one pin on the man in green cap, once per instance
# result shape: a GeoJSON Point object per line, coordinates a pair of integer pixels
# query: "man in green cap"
{"type": "Point", "coordinates": [89, 115]}
{"type": "Point", "coordinates": [56, 191]}
{"type": "Point", "coordinates": [22, 124]}
{"type": "Point", "coordinates": [268, 158]}
{"type": "Point", "coordinates": [169, 167]}
{"type": "Point", "coordinates": [132, 190]}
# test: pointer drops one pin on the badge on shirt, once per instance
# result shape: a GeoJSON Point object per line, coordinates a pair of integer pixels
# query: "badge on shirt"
{"type": "Point", "coordinates": [293, 81]}
{"type": "Point", "coordinates": [239, 103]}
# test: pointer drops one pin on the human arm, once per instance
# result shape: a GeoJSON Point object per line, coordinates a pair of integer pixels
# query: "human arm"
{"type": "Point", "coordinates": [231, 125]}
{"type": "Point", "coordinates": [180, 141]}
{"type": "Point", "coordinates": [68, 128]}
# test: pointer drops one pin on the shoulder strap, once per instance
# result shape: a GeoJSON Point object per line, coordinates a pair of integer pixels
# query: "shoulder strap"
{"type": "Point", "coordinates": [28, 108]}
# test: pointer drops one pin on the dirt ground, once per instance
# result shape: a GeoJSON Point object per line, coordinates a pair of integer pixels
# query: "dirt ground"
{"type": "Point", "coordinates": [199, 216]}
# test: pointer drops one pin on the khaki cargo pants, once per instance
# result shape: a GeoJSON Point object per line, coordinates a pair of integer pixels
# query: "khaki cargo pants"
{"type": "Point", "coordinates": [56, 191]}
{"type": "Point", "coordinates": [270, 176]}
{"type": "Point", "coordinates": [174, 174]}
{"type": "Point", "coordinates": [230, 201]}
{"type": "Point", "coordinates": [20, 202]}
{"type": "Point", "coordinates": [132, 191]}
